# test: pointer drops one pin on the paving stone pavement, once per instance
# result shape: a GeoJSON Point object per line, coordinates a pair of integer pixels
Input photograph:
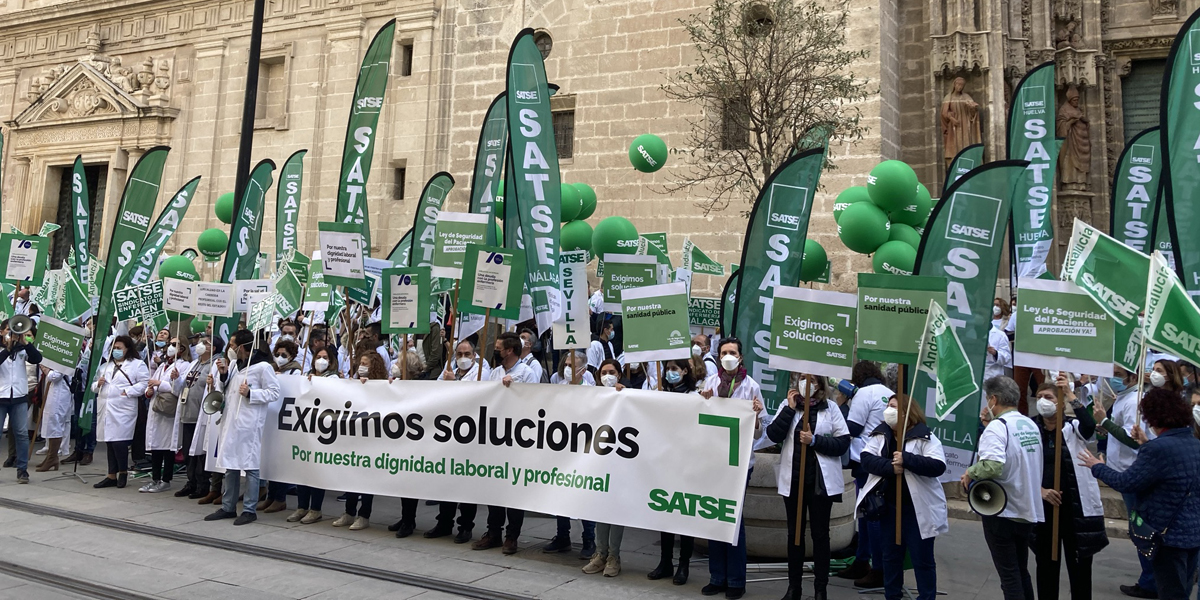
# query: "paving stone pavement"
{"type": "Point", "coordinates": [171, 569]}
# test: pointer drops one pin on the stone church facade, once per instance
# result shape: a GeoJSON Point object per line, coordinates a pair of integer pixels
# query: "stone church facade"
{"type": "Point", "coordinates": [110, 79]}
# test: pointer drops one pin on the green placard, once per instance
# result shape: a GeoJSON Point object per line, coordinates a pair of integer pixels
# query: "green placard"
{"type": "Point", "coordinates": [140, 302]}
{"type": "Point", "coordinates": [493, 278]}
{"type": "Point", "coordinates": [406, 300]}
{"type": "Point", "coordinates": [656, 246]}
{"type": "Point", "coordinates": [655, 320]}
{"type": "Point", "coordinates": [366, 292]}
{"type": "Point", "coordinates": [624, 271]}
{"type": "Point", "coordinates": [316, 293]}
{"type": "Point", "coordinates": [891, 314]}
{"type": "Point", "coordinates": [824, 276]}
{"type": "Point", "coordinates": [289, 289]}
{"type": "Point", "coordinates": [59, 344]}
{"type": "Point", "coordinates": [813, 331]}
{"type": "Point", "coordinates": [23, 258]}
{"type": "Point", "coordinates": [704, 312]}
{"type": "Point", "coordinates": [342, 253]}
{"type": "Point", "coordinates": [1060, 327]}
{"type": "Point", "coordinates": [262, 313]}
{"type": "Point", "coordinates": [454, 231]}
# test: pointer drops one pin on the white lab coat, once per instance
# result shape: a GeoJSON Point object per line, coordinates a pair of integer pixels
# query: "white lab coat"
{"type": "Point", "coordinates": [117, 400]}
{"type": "Point", "coordinates": [1089, 489]}
{"type": "Point", "coordinates": [204, 422]}
{"type": "Point", "coordinates": [535, 366]}
{"type": "Point", "coordinates": [1124, 414]}
{"type": "Point", "coordinates": [1001, 364]}
{"type": "Point", "coordinates": [239, 444]}
{"type": "Point", "coordinates": [470, 375]}
{"type": "Point", "coordinates": [60, 403]}
{"type": "Point", "coordinates": [595, 353]}
{"type": "Point", "coordinates": [748, 390]}
{"type": "Point", "coordinates": [929, 499]}
{"type": "Point", "coordinates": [162, 432]}
{"type": "Point", "coordinates": [829, 422]}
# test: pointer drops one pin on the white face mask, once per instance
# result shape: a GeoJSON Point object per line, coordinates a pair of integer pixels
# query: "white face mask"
{"type": "Point", "coordinates": [281, 360]}
{"type": "Point", "coordinates": [287, 337]}
{"type": "Point", "coordinates": [363, 370]}
{"type": "Point", "coordinates": [1196, 413]}
{"type": "Point", "coordinates": [396, 372]}
{"type": "Point", "coordinates": [231, 353]}
{"type": "Point", "coordinates": [609, 380]}
{"type": "Point", "coordinates": [1157, 379]}
{"type": "Point", "coordinates": [995, 311]}
{"type": "Point", "coordinates": [891, 416]}
{"type": "Point", "coordinates": [172, 351]}
{"type": "Point", "coordinates": [568, 373]}
{"type": "Point", "coordinates": [412, 349]}
{"type": "Point", "coordinates": [201, 349]}
{"type": "Point", "coordinates": [465, 363]}
{"type": "Point", "coordinates": [1047, 408]}
{"type": "Point", "coordinates": [697, 350]}
{"type": "Point", "coordinates": [321, 364]}
{"type": "Point", "coordinates": [730, 362]}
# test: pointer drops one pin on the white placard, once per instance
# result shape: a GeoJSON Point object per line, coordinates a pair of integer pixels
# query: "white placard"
{"type": "Point", "coordinates": [404, 296]}
{"type": "Point", "coordinates": [491, 282]}
{"type": "Point", "coordinates": [243, 289]}
{"type": "Point", "coordinates": [22, 261]}
{"type": "Point", "coordinates": [573, 330]}
{"type": "Point", "coordinates": [179, 296]}
{"type": "Point", "coordinates": [342, 254]}
{"type": "Point", "coordinates": [214, 299]}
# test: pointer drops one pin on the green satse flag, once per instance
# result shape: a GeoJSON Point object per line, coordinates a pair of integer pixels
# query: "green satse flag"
{"type": "Point", "coordinates": [75, 300]}
{"type": "Point", "coordinates": [489, 162]}
{"type": "Point", "coordinates": [81, 218]}
{"type": "Point", "coordinates": [289, 291]}
{"type": "Point", "coordinates": [943, 359]}
{"type": "Point", "coordinates": [1179, 120]}
{"type": "Point", "coordinates": [1031, 138]}
{"type": "Point", "coordinates": [399, 254]}
{"type": "Point", "coordinates": [287, 203]}
{"type": "Point", "coordinates": [424, 230]}
{"type": "Point", "coordinates": [968, 158]}
{"type": "Point", "coordinates": [241, 257]}
{"type": "Point", "coordinates": [1172, 319]}
{"type": "Point", "coordinates": [1111, 273]}
{"type": "Point", "coordinates": [1135, 191]}
{"type": "Point", "coordinates": [536, 191]}
{"type": "Point", "coordinates": [1162, 232]}
{"type": "Point", "coordinates": [656, 246]}
{"type": "Point", "coordinates": [129, 230]}
{"type": "Point", "coordinates": [359, 148]}
{"type": "Point", "coordinates": [512, 216]}
{"type": "Point", "coordinates": [168, 221]}
{"type": "Point", "coordinates": [771, 258]}
{"type": "Point", "coordinates": [964, 242]}
{"type": "Point", "coordinates": [696, 261]}
{"type": "Point", "coordinates": [728, 299]}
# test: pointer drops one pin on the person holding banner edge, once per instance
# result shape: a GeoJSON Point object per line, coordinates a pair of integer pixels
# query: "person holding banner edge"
{"type": "Point", "coordinates": [572, 371]}
{"type": "Point", "coordinates": [14, 394]}
{"type": "Point", "coordinates": [358, 506]}
{"type": "Point", "coordinates": [464, 367]}
{"type": "Point", "coordinates": [309, 499]}
{"type": "Point", "coordinates": [407, 367]}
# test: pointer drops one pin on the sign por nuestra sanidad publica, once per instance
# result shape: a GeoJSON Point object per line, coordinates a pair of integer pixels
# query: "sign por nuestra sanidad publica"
{"type": "Point", "coordinates": [573, 329]}
{"type": "Point", "coordinates": [179, 296]}
{"type": "Point", "coordinates": [60, 344]}
{"type": "Point", "coordinates": [23, 258]}
{"type": "Point", "coordinates": [342, 253]}
{"type": "Point", "coordinates": [244, 289]}
{"type": "Point", "coordinates": [139, 303]}
{"type": "Point", "coordinates": [406, 300]}
{"type": "Point", "coordinates": [454, 232]}
{"type": "Point", "coordinates": [1060, 327]}
{"type": "Point", "coordinates": [892, 310]}
{"type": "Point", "coordinates": [493, 279]}
{"type": "Point", "coordinates": [655, 320]}
{"type": "Point", "coordinates": [624, 271]}
{"type": "Point", "coordinates": [812, 331]}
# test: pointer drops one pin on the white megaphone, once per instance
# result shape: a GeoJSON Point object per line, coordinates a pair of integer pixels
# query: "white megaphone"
{"type": "Point", "coordinates": [987, 498]}
{"type": "Point", "coordinates": [213, 403]}
{"type": "Point", "coordinates": [20, 324]}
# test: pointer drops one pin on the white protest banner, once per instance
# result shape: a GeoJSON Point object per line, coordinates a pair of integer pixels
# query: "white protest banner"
{"type": "Point", "coordinates": [533, 447]}
{"type": "Point", "coordinates": [179, 296]}
{"type": "Point", "coordinates": [572, 329]}
{"type": "Point", "coordinates": [341, 253]}
{"type": "Point", "coordinates": [214, 299]}
{"type": "Point", "coordinates": [244, 288]}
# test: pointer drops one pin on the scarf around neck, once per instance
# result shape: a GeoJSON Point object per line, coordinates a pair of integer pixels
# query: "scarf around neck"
{"type": "Point", "coordinates": [730, 380]}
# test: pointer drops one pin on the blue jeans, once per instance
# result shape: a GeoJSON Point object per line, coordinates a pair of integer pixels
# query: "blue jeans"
{"type": "Point", "coordinates": [919, 551]}
{"type": "Point", "coordinates": [1146, 579]}
{"type": "Point", "coordinates": [18, 427]}
{"type": "Point", "coordinates": [870, 538]}
{"type": "Point", "coordinates": [726, 562]}
{"type": "Point", "coordinates": [230, 495]}
{"type": "Point", "coordinates": [564, 530]}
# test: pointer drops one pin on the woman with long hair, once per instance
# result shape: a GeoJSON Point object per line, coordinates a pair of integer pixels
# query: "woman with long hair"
{"type": "Point", "coordinates": [358, 506]}
{"type": "Point", "coordinates": [1166, 375]}
{"type": "Point", "coordinates": [163, 390]}
{"type": "Point", "coordinates": [119, 383]}
{"type": "Point", "coordinates": [309, 499]}
{"type": "Point", "coordinates": [677, 378]}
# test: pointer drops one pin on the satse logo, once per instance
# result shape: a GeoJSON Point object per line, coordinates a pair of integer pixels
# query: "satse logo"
{"type": "Point", "coordinates": [1033, 102]}
{"type": "Point", "coordinates": [524, 78]}
{"type": "Point", "coordinates": [1141, 154]}
{"type": "Point", "coordinates": [973, 219]}
{"type": "Point", "coordinates": [1194, 44]}
{"type": "Point", "coordinates": [785, 220]}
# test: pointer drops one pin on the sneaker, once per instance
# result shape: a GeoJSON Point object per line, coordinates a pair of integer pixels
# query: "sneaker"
{"type": "Point", "coordinates": [343, 520]}
{"type": "Point", "coordinates": [464, 536]}
{"type": "Point", "coordinates": [145, 489]}
{"type": "Point", "coordinates": [22, 476]}
{"type": "Point", "coordinates": [558, 544]}
{"type": "Point", "coordinates": [1137, 591]}
{"type": "Point", "coordinates": [342, 498]}
{"type": "Point", "coordinates": [596, 565]}
{"type": "Point", "coordinates": [312, 517]}
{"type": "Point", "coordinates": [588, 551]}
{"type": "Point", "coordinates": [41, 451]}
{"type": "Point", "coordinates": [219, 514]}
{"type": "Point", "coordinates": [360, 523]}
{"type": "Point", "coordinates": [295, 517]}
{"type": "Point", "coordinates": [160, 487]}
{"type": "Point", "coordinates": [612, 567]}
{"type": "Point", "coordinates": [487, 542]}
{"type": "Point", "coordinates": [245, 517]}
{"type": "Point", "coordinates": [510, 546]}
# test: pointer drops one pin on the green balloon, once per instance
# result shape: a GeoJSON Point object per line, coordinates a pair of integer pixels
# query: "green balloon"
{"type": "Point", "coordinates": [892, 185]}
{"type": "Point", "coordinates": [199, 326]}
{"type": "Point", "coordinates": [499, 233]}
{"type": "Point", "coordinates": [895, 257]}
{"type": "Point", "coordinates": [572, 203]}
{"type": "Point", "coordinates": [648, 153]}
{"type": "Point", "coordinates": [917, 211]}
{"type": "Point", "coordinates": [225, 208]}
{"type": "Point", "coordinates": [906, 234]}
{"type": "Point", "coordinates": [863, 227]}
{"type": "Point", "coordinates": [178, 267]}
{"type": "Point", "coordinates": [813, 263]}
{"type": "Point", "coordinates": [498, 207]}
{"type": "Point", "coordinates": [614, 235]}
{"type": "Point", "coordinates": [212, 242]}
{"type": "Point", "coordinates": [849, 196]}
{"type": "Point", "coordinates": [576, 235]}
{"type": "Point", "coordinates": [588, 195]}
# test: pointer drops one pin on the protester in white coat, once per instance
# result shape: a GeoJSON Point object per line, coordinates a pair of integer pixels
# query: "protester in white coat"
{"type": "Point", "coordinates": [999, 355]}
{"type": "Point", "coordinates": [465, 366]}
{"type": "Point", "coordinates": [249, 383]}
{"type": "Point", "coordinates": [923, 502]}
{"type": "Point", "coordinates": [56, 416]}
{"type": "Point", "coordinates": [119, 383]}
{"type": "Point", "coordinates": [163, 390]}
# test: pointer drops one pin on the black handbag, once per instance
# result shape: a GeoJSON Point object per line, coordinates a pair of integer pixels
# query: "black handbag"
{"type": "Point", "coordinates": [1146, 538]}
{"type": "Point", "coordinates": [873, 506]}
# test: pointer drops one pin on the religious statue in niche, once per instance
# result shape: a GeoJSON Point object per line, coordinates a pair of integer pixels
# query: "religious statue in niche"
{"type": "Point", "coordinates": [960, 120]}
{"type": "Point", "coordinates": [1067, 36]}
{"type": "Point", "coordinates": [1075, 158]}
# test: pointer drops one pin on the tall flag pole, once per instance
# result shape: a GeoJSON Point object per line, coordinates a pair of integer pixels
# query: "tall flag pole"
{"type": "Point", "coordinates": [81, 219]}
{"type": "Point", "coordinates": [287, 203]}
{"type": "Point", "coordinates": [242, 253]}
{"type": "Point", "coordinates": [1031, 138]}
{"type": "Point", "coordinates": [1179, 120]}
{"type": "Point", "coordinates": [249, 105]}
{"type": "Point", "coordinates": [489, 162]}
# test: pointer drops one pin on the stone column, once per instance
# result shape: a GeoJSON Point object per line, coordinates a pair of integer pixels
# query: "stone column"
{"type": "Point", "coordinates": [118, 171]}
{"type": "Point", "coordinates": [18, 192]}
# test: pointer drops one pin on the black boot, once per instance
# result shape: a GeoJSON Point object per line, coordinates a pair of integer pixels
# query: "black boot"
{"type": "Point", "coordinates": [662, 571]}
{"type": "Point", "coordinates": [681, 573]}
{"type": "Point", "coordinates": [122, 479]}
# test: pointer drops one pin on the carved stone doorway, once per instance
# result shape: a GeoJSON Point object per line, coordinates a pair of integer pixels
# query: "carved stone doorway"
{"type": "Point", "coordinates": [96, 180]}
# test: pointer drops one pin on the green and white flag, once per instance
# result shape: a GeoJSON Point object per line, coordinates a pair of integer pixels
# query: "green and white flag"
{"type": "Point", "coordinates": [406, 300]}
{"type": "Point", "coordinates": [572, 331]}
{"type": "Point", "coordinates": [813, 331]}
{"type": "Point", "coordinates": [81, 219]}
{"type": "Point", "coordinates": [60, 344]}
{"type": "Point", "coordinates": [359, 147]}
{"type": "Point", "coordinates": [139, 303]}
{"type": "Point", "coordinates": [1135, 191]}
{"type": "Point", "coordinates": [1031, 138]}
{"type": "Point", "coordinates": [622, 271]}
{"type": "Point", "coordinates": [287, 203]}
{"type": "Point", "coordinates": [492, 281]}
{"type": "Point", "coordinates": [1179, 121]}
{"type": "Point", "coordinates": [168, 221]}
{"type": "Point", "coordinates": [655, 321]}
{"type": "Point", "coordinates": [1172, 319]}
{"type": "Point", "coordinates": [288, 289]}
{"type": "Point", "coordinates": [317, 292]}
{"type": "Point", "coordinates": [241, 257]}
{"type": "Point", "coordinates": [489, 163]}
{"type": "Point", "coordinates": [536, 189]}
{"type": "Point", "coordinates": [76, 304]}
{"type": "Point", "coordinates": [943, 360]}
{"type": "Point", "coordinates": [696, 261]}
{"type": "Point", "coordinates": [1112, 274]}
{"type": "Point", "coordinates": [1062, 328]}
{"type": "Point", "coordinates": [968, 158]}
{"type": "Point", "coordinates": [704, 312]}
{"type": "Point", "coordinates": [424, 230]}
{"type": "Point", "coordinates": [655, 244]}
{"type": "Point", "coordinates": [453, 233]}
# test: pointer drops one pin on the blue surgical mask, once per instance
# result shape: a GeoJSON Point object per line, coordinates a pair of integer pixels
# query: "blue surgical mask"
{"type": "Point", "coordinates": [118, 354]}
{"type": "Point", "coordinates": [674, 377]}
{"type": "Point", "coordinates": [160, 344]}
{"type": "Point", "coordinates": [1117, 384]}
